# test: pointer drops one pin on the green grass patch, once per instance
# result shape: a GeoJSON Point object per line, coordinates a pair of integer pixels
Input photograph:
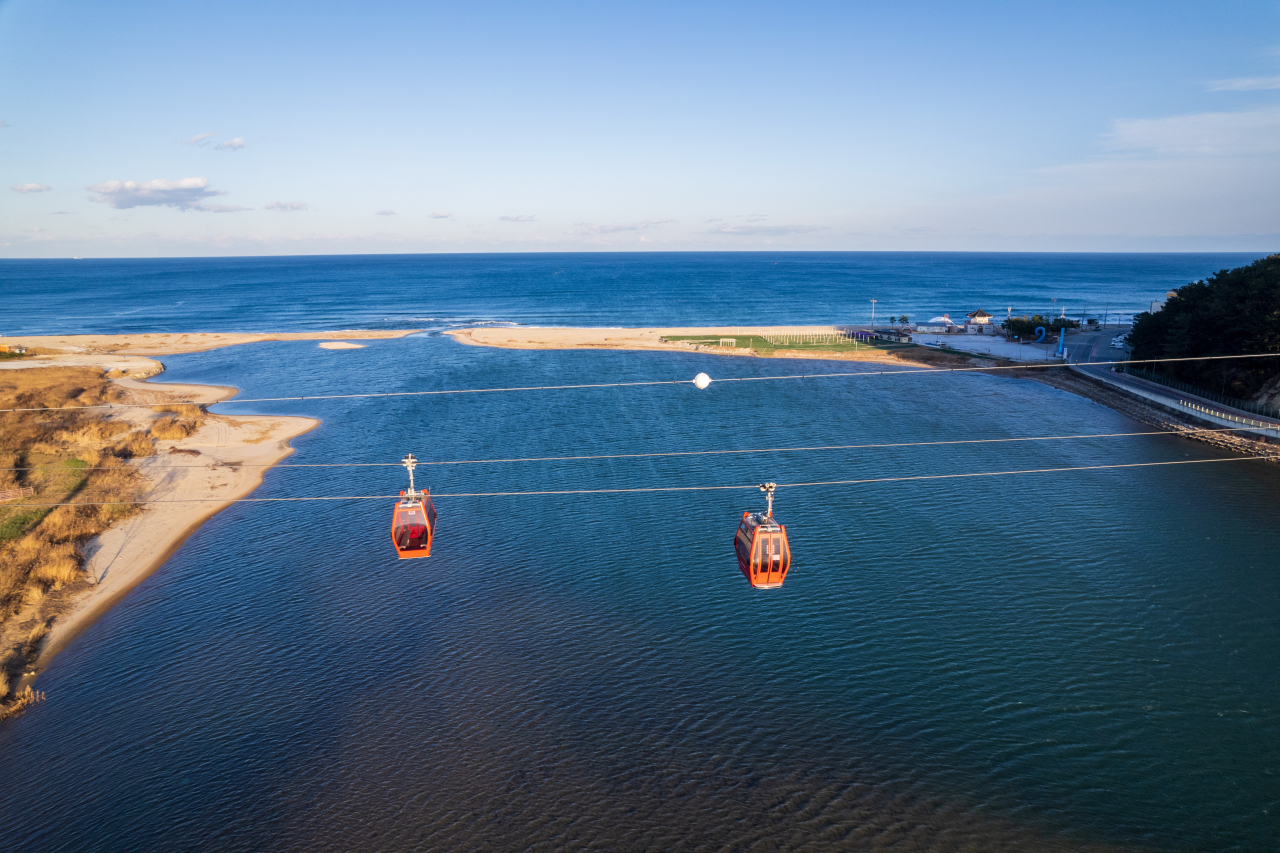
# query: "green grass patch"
{"type": "Point", "coordinates": [9, 356]}
{"type": "Point", "coordinates": [18, 524]}
{"type": "Point", "coordinates": [763, 347]}
{"type": "Point", "coordinates": [54, 482]}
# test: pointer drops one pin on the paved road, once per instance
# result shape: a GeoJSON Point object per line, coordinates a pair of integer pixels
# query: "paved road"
{"type": "Point", "coordinates": [1096, 346]}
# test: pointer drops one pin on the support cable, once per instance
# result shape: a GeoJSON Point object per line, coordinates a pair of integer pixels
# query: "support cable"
{"type": "Point", "coordinates": [677, 453]}
{"type": "Point", "coordinates": [922, 371]}
{"type": "Point", "coordinates": [653, 489]}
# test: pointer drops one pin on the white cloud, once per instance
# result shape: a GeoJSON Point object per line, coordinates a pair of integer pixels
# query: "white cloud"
{"type": "Point", "coordinates": [220, 208]}
{"type": "Point", "coordinates": [31, 188]}
{"type": "Point", "coordinates": [524, 218]}
{"type": "Point", "coordinates": [1204, 175]}
{"type": "Point", "coordinates": [387, 212]}
{"type": "Point", "coordinates": [61, 213]}
{"type": "Point", "coordinates": [764, 230]}
{"type": "Point", "coordinates": [230, 145]}
{"type": "Point", "coordinates": [438, 214]}
{"type": "Point", "coordinates": [286, 206]}
{"type": "Point", "coordinates": [1215, 134]}
{"type": "Point", "coordinates": [200, 138]}
{"type": "Point", "coordinates": [1245, 84]}
{"type": "Point", "coordinates": [184, 194]}
{"type": "Point", "coordinates": [590, 228]}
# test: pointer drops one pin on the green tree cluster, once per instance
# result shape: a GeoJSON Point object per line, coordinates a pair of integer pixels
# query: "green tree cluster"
{"type": "Point", "coordinates": [1025, 327]}
{"type": "Point", "coordinates": [1234, 312]}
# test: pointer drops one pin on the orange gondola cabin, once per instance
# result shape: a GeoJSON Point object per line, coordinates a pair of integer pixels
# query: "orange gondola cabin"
{"type": "Point", "coordinates": [761, 543]}
{"type": "Point", "coordinates": [413, 523]}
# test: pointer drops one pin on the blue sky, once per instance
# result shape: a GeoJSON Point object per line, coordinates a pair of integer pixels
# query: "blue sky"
{"type": "Point", "coordinates": [161, 128]}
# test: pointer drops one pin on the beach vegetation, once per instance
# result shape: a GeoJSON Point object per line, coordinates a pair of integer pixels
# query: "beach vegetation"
{"type": "Point", "coordinates": [762, 346]}
{"type": "Point", "coordinates": [1233, 312]}
{"type": "Point", "coordinates": [172, 429]}
{"type": "Point", "coordinates": [20, 701]}
{"type": "Point", "coordinates": [1025, 327]}
{"type": "Point", "coordinates": [72, 460]}
{"type": "Point", "coordinates": [192, 411]}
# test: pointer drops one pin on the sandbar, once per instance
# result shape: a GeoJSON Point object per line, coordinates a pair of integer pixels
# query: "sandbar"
{"type": "Point", "coordinates": [224, 460]}
{"type": "Point", "coordinates": [526, 337]}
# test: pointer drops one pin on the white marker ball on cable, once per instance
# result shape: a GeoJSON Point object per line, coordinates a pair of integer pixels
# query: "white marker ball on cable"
{"type": "Point", "coordinates": [701, 381]}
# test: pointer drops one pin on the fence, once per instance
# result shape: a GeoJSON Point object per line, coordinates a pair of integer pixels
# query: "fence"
{"type": "Point", "coordinates": [14, 494]}
{"type": "Point", "coordinates": [805, 335]}
{"type": "Point", "coordinates": [1227, 416]}
{"type": "Point", "coordinates": [1187, 388]}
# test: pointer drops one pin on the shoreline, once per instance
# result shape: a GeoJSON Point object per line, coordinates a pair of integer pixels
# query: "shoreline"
{"type": "Point", "coordinates": [125, 555]}
{"type": "Point", "coordinates": [549, 338]}
{"type": "Point", "coordinates": [214, 461]}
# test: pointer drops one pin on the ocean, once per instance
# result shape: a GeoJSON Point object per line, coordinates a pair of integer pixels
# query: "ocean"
{"type": "Point", "coordinates": [1074, 661]}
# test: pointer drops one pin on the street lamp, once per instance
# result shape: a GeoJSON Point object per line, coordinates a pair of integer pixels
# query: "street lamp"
{"type": "Point", "coordinates": [873, 312]}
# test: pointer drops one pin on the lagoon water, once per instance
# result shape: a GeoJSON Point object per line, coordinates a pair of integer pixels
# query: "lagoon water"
{"type": "Point", "coordinates": [1081, 661]}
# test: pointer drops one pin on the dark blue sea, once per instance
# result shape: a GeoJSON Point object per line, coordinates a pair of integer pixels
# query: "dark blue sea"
{"type": "Point", "coordinates": [1079, 661]}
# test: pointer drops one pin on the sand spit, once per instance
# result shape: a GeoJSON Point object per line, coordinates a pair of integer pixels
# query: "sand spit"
{"type": "Point", "coordinates": [214, 466]}
{"type": "Point", "coordinates": [341, 345]}
{"type": "Point", "coordinates": [173, 343]}
{"type": "Point", "coordinates": [224, 460]}
{"type": "Point", "coordinates": [649, 339]}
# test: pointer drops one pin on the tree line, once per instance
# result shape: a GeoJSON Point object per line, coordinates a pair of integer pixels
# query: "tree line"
{"type": "Point", "coordinates": [1233, 312]}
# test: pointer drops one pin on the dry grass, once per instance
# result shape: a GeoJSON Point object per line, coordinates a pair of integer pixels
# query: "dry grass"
{"type": "Point", "coordinates": [22, 700]}
{"type": "Point", "coordinates": [71, 457]}
{"type": "Point", "coordinates": [38, 633]}
{"type": "Point", "coordinates": [67, 456]}
{"type": "Point", "coordinates": [172, 429]}
{"type": "Point", "coordinates": [186, 410]}
{"type": "Point", "coordinates": [134, 446]}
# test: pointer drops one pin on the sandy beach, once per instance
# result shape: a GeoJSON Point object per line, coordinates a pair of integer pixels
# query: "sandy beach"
{"type": "Point", "coordinates": [224, 460]}
{"type": "Point", "coordinates": [521, 337]}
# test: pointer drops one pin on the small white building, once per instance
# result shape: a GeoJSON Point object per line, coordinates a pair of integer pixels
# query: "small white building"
{"type": "Point", "coordinates": [978, 323]}
{"type": "Point", "coordinates": [939, 326]}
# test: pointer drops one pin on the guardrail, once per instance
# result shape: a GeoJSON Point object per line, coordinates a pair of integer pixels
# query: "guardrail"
{"type": "Point", "coordinates": [1188, 388]}
{"type": "Point", "coordinates": [1251, 422]}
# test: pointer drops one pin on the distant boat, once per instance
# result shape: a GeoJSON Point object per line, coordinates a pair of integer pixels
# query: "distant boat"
{"type": "Point", "coordinates": [76, 258]}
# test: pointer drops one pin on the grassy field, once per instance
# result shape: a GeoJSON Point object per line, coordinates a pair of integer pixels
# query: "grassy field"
{"type": "Point", "coordinates": [762, 347]}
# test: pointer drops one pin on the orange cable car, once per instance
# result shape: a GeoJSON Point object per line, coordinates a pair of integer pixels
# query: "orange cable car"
{"type": "Point", "coordinates": [761, 544]}
{"type": "Point", "coordinates": [413, 523]}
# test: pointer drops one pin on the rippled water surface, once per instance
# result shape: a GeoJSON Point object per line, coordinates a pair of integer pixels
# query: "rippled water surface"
{"type": "Point", "coordinates": [660, 289]}
{"type": "Point", "coordinates": [1081, 661]}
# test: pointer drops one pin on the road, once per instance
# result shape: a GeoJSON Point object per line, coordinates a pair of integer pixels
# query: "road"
{"type": "Point", "coordinates": [1096, 346]}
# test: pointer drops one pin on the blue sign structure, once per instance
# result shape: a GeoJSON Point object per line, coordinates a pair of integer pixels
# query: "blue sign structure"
{"type": "Point", "coordinates": [1040, 329]}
